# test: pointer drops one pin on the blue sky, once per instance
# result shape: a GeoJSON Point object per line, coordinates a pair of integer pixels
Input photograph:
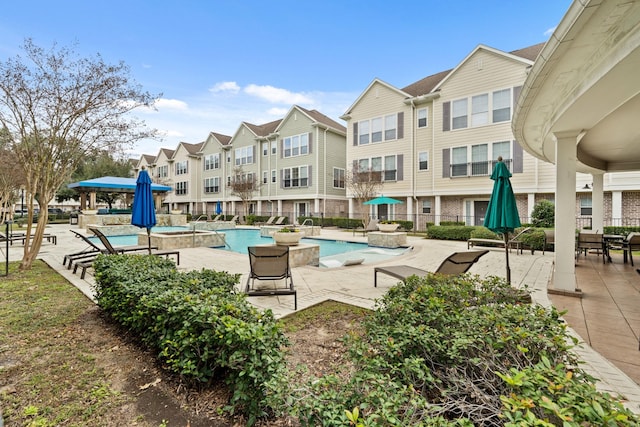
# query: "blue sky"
{"type": "Point", "coordinates": [218, 63]}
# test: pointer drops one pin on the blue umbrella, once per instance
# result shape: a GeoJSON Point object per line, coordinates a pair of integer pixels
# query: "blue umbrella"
{"type": "Point", "coordinates": [143, 213]}
{"type": "Point", "coordinates": [502, 213]}
{"type": "Point", "coordinates": [218, 207]}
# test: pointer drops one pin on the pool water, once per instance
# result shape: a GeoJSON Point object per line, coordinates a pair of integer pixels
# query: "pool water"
{"type": "Point", "coordinates": [332, 252]}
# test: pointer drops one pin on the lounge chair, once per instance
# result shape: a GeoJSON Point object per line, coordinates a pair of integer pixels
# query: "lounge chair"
{"type": "Point", "coordinates": [22, 237]}
{"type": "Point", "coordinates": [455, 264]}
{"type": "Point", "coordinates": [91, 251]}
{"type": "Point", "coordinates": [267, 222]}
{"type": "Point", "coordinates": [372, 226]}
{"type": "Point", "coordinates": [110, 249]}
{"type": "Point", "coordinates": [217, 217]}
{"type": "Point", "coordinates": [270, 263]}
{"type": "Point", "coordinates": [280, 220]}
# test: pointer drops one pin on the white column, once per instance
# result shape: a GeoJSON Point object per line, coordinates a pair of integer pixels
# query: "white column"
{"type": "Point", "coordinates": [350, 213]}
{"type": "Point", "coordinates": [597, 203]}
{"type": "Point", "coordinates": [531, 203]}
{"type": "Point", "coordinates": [616, 207]}
{"type": "Point", "coordinates": [316, 206]}
{"type": "Point", "coordinates": [410, 215]}
{"type": "Point", "coordinates": [436, 210]}
{"type": "Point", "coordinates": [279, 206]}
{"type": "Point", "coordinates": [259, 207]}
{"type": "Point", "coordinates": [564, 278]}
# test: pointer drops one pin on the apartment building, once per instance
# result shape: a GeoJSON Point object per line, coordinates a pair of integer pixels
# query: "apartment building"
{"type": "Point", "coordinates": [435, 141]}
{"type": "Point", "coordinates": [297, 163]}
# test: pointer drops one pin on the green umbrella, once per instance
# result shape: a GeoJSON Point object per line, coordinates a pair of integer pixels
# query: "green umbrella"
{"type": "Point", "coordinates": [502, 213]}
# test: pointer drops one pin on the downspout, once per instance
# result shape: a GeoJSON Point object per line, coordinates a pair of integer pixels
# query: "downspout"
{"type": "Point", "coordinates": [414, 173]}
{"type": "Point", "coordinates": [324, 193]}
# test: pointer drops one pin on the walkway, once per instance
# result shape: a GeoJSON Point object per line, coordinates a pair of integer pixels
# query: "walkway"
{"type": "Point", "coordinates": [607, 317]}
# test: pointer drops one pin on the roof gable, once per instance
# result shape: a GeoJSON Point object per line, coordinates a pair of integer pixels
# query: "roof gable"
{"type": "Point", "coordinates": [375, 82]}
{"type": "Point", "coordinates": [315, 117]}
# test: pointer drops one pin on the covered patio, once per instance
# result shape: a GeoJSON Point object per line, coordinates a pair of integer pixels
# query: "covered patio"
{"type": "Point", "coordinates": [114, 184]}
{"type": "Point", "coordinates": [579, 109]}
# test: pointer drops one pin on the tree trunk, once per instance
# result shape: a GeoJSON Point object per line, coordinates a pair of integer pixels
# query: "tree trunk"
{"type": "Point", "coordinates": [33, 243]}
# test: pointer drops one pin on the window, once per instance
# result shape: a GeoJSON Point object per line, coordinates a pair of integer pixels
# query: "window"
{"type": "Point", "coordinates": [390, 126]}
{"type": "Point", "coordinates": [480, 110]}
{"type": "Point", "coordinates": [212, 161]}
{"type": "Point", "coordinates": [585, 206]}
{"type": "Point", "coordinates": [426, 206]}
{"type": "Point", "coordinates": [228, 156]}
{"type": "Point", "coordinates": [376, 130]}
{"type": "Point", "coordinates": [244, 155]}
{"type": "Point", "coordinates": [422, 118]}
{"type": "Point", "coordinates": [459, 114]}
{"type": "Point", "coordinates": [212, 185]}
{"type": "Point", "coordinates": [163, 171]}
{"type": "Point", "coordinates": [297, 145]}
{"type": "Point", "coordinates": [479, 157]}
{"type": "Point", "coordinates": [501, 105]}
{"type": "Point", "coordinates": [296, 177]}
{"type": "Point", "coordinates": [390, 170]}
{"type": "Point", "coordinates": [363, 132]}
{"type": "Point", "coordinates": [423, 161]}
{"type": "Point", "coordinates": [459, 161]}
{"type": "Point", "coordinates": [182, 188]}
{"type": "Point", "coordinates": [274, 175]}
{"type": "Point", "coordinates": [338, 178]}
{"type": "Point", "coordinates": [265, 148]}
{"type": "Point", "coordinates": [265, 177]}
{"type": "Point", "coordinates": [274, 147]}
{"type": "Point", "coordinates": [501, 149]}
{"type": "Point", "coordinates": [228, 181]}
{"type": "Point", "coordinates": [379, 129]}
{"type": "Point", "coordinates": [182, 167]}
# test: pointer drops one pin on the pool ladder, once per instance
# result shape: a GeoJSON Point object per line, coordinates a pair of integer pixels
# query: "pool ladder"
{"type": "Point", "coordinates": [204, 216]}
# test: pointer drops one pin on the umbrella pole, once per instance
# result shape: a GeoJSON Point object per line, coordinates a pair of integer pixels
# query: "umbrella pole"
{"type": "Point", "coordinates": [149, 240]}
{"type": "Point", "coordinates": [506, 251]}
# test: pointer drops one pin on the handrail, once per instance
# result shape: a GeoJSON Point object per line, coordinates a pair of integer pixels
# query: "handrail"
{"type": "Point", "coordinates": [305, 221]}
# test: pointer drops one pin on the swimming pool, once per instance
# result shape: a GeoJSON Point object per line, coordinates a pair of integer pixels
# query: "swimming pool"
{"type": "Point", "coordinates": [333, 253]}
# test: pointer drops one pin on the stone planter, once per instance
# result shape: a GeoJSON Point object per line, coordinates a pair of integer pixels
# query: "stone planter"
{"type": "Point", "coordinates": [288, 239]}
{"type": "Point", "coordinates": [388, 228]}
{"type": "Point", "coordinates": [176, 212]}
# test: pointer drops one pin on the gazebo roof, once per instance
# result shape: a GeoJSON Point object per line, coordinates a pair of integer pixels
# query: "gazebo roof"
{"type": "Point", "coordinates": [114, 184]}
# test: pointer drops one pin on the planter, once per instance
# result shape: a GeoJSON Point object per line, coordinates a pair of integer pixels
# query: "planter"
{"type": "Point", "coordinates": [176, 212]}
{"type": "Point", "coordinates": [388, 228]}
{"type": "Point", "coordinates": [90, 212]}
{"type": "Point", "coordinates": [288, 239]}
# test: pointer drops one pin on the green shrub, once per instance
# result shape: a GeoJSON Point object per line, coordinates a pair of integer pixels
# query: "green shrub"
{"type": "Point", "coordinates": [484, 233]}
{"type": "Point", "coordinates": [463, 351]}
{"type": "Point", "coordinates": [450, 232]}
{"type": "Point", "coordinates": [543, 214]}
{"type": "Point", "coordinates": [623, 231]}
{"type": "Point", "coordinates": [199, 326]}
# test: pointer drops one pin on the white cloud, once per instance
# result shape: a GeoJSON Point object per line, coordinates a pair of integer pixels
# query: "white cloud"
{"type": "Point", "coordinates": [549, 31]}
{"type": "Point", "coordinates": [280, 112]}
{"type": "Point", "coordinates": [276, 95]}
{"type": "Point", "coordinates": [172, 104]}
{"type": "Point", "coordinates": [231, 87]}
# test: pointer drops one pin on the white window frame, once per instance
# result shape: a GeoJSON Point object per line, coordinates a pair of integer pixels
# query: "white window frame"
{"type": "Point", "coordinates": [274, 176]}
{"type": "Point", "coordinates": [182, 167]}
{"type": "Point", "coordinates": [586, 206]}
{"type": "Point", "coordinates": [212, 185]}
{"type": "Point", "coordinates": [480, 110]}
{"type": "Point", "coordinates": [426, 206]}
{"type": "Point", "coordinates": [423, 161]}
{"type": "Point", "coordinates": [212, 161]}
{"type": "Point", "coordinates": [274, 147]}
{"type": "Point", "coordinates": [499, 109]}
{"type": "Point", "coordinates": [244, 155]}
{"type": "Point", "coordinates": [265, 149]}
{"type": "Point", "coordinates": [480, 166]}
{"type": "Point", "coordinates": [182, 188]}
{"type": "Point", "coordinates": [339, 178]}
{"type": "Point", "coordinates": [296, 145]}
{"type": "Point", "coordinates": [296, 177]}
{"type": "Point", "coordinates": [265, 177]}
{"type": "Point", "coordinates": [380, 164]}
{"type": "Point", "coordinates": [163, 171]}
{"type": "Point", "coordinates": [423, 117]}
{"type": "Point", "coordinates": [378, 129]}
{"type": "Point", "coordinates": [459, 114]}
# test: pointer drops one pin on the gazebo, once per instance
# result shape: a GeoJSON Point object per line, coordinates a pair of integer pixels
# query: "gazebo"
{"type": "Point", "coordinates": [113, 184]}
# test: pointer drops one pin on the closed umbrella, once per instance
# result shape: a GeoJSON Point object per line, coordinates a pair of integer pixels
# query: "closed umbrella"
{"type": "Point", "coordinates": [502, 213]}
{"type": "Point", "coordinates": [143, 213]}
{"type": "Point", "coordinates": [382, 200]}
{"type": "Point", "coordinates": [218, 207]}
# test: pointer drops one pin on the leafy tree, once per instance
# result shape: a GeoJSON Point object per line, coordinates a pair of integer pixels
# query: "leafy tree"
{"type": "Point", "coordinates": [96, 166]}
{"type": "Point", "coordinates": [543, 214]}
{"type": "Point", "coordinates": [363, 185]}
{"type": "Point", "coordinates": [58, 108]}
{"type": "Point", "coordinates": [11, 179]}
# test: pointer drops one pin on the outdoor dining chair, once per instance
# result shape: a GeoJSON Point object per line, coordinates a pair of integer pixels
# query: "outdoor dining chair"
{"type": "Point", "coordinates": [270, 263]}
{"type": "Point", "coordinates": [590, 241]}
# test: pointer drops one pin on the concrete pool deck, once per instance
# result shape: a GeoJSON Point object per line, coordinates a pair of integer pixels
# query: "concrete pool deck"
{"type": "Point", "coordinates": [354, 284]}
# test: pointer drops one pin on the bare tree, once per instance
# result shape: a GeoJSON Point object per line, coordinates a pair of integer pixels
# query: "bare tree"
{"type": "Point", "coordinates": [11, 179]}
{"type": "Point", "coordinates": [58, 108]}
{"type": "Point", "coordinates": [363, 185]}
{"type": "Point", "coordinates": [244, 185]}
